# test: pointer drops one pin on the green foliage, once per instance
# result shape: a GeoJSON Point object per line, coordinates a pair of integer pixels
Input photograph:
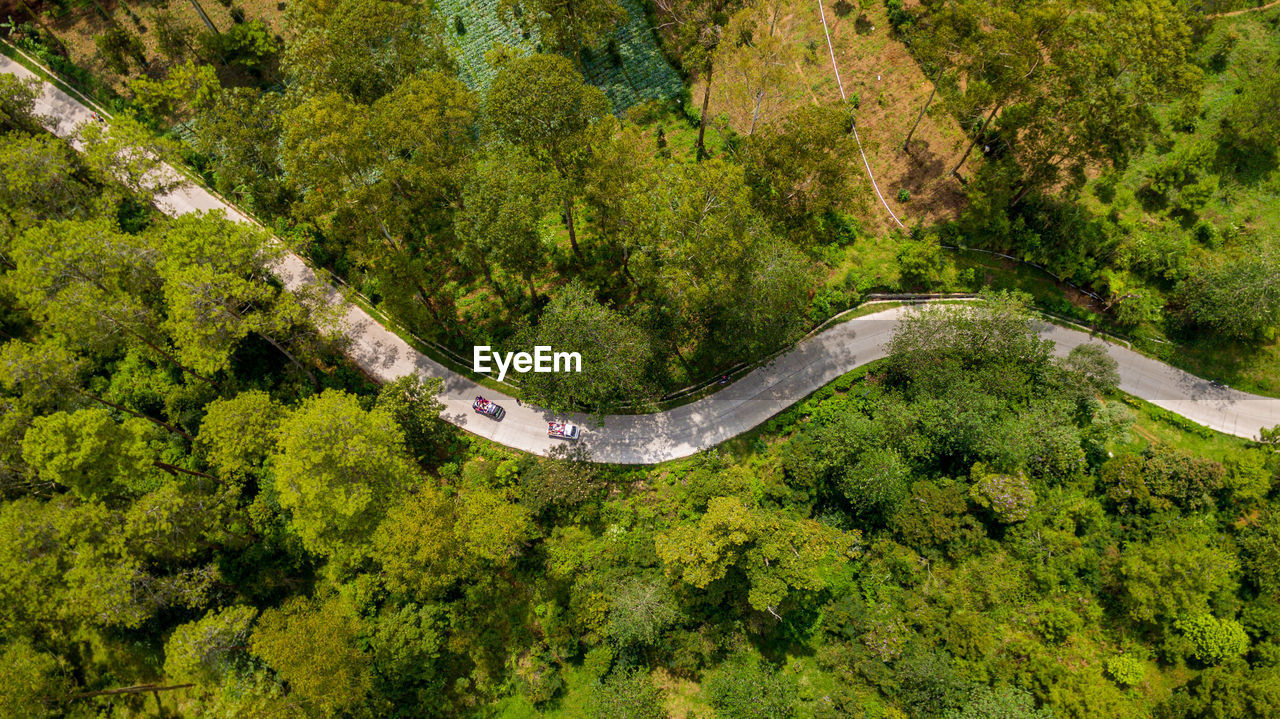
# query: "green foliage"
{"type": "Point", "coordinates": [1172, 577]}
{"type": "Point", "coordinates": [777, 555]}
{"type": "Point", "coordinates": [1213, 640]}
{"type": "Point", "coordinates": [1237, 298]}
{"type": "Point", "coordinates": [625, 695]}
{"type": "Point", "coordinates": [920, 263]}
{"type": "Point", "coordinates": [1125, 670]}
{"type": "Point", "coordinates": [746, 687]}
{"type": "Point", "coordinates": [1008, 496]}
{"type": "Point", "coordinates": [412, 402]}
{"type": "Point", "coordinates": [1000, 702]}
{"type": "Point", "coordinates": [31, 682]}
{"type": "Point", "coordinates": [205, 650]}
{"type": "Point", "coordinates": [238, 433]}
{"type": "Point", "coordinates": [615, 355]}
{"type": "Point", "coordinates": [312, 646]}
{"type": "Point", "coordinates": [89, 452]}
{"type": "Point", "coordinates": [641, 612]}
{"type": "Point", "coordinates": [360, 49]}
{"type": "Point", "coordinates": [336, 468]}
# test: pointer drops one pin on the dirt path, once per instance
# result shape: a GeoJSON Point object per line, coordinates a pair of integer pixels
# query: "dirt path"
{"type": "Point", "coordinates": [1242, 11]}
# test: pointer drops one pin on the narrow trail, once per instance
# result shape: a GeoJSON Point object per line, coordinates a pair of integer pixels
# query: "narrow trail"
{"type": "Point", "coordinates": [682, 431]}
{"type": "Point", "coordinates": [1242, 11]}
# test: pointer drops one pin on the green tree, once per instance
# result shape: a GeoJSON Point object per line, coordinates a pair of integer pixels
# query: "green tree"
{"type": "Point", "coordinates": [1000, 702]}
{"type": "Point", "coordinates": [567, 26]}
{"type": "Point", "coordinates": [313, 646]}
{"type": "Point", "coordinates": [366, 174]}
{"type": "Point", "coordinates": [1213, 640]}
{"type": "Point", "coordinates": [615, 355]}
{"type": "Point", "coordinates": [360, 49]}
{"type": "Point", "coordinates": [32, 683]}
{"type": "Point", "coordinates": [625, 695]}
{"type": "Point", "coordinates": [541, 104]}
{"type": "Point", "coordinates": [1172, 577]}
{"type": "Point", "coordinates": [1091, 365]}
{"type": "Point", "coordinates": [207, 649]}
{"type": "Point", "coordinates": [768, 306]}
{"type": "Point", "coordinates": [775, 554]}
{"type": "Point", "coordinates": [417, 546]}
{"type": "Point", "coordinates": [17, 103]}
{"type": "Point", "coordinates": [1247, 122]}
{"type": "Point", "coordinates": [702, 239]}
{"type": "Point", "coordinates": [218, 290]}
{"type": "Point", "coordinates": [992, 341]}
{"type": "Point", "coordinates": [336, 468]}
{"type": "Point", "coordinates": [500, 222]}
{"type": "Point", "coordinates": [38, 181]}
{"type": "Point", "coordinates": [89, 452]}
{"type": "Point", "coordinates": [1228, 691]}
{"type": "Point", "coordinates": [800, 174]}
{"type": "Point", "coordinates": [239, 133]}
{"type": "Point", "coordinates": [1238, 298]}
{"type": "Point", "coordinates": [745, 687]}
{"type": "Point", "coordinates": [413, 402]}
{"type": "Point", "coordinates": [699, 29]}
{"type": "Point", "coordinates": [641, 611]}
{"type": "Point", "coordinates": [238, 433]}
{"type": "Point", "coordinates": [86, 282]}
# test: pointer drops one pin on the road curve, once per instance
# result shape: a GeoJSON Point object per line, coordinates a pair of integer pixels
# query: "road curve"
{"type": "Point", "coordinates": [679, 432]}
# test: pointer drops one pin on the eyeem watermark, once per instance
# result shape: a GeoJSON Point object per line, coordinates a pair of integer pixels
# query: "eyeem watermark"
{"type": "Point", "coordinates": [542, 360]}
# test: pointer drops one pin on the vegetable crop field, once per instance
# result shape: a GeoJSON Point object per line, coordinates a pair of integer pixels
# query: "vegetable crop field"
{"type": "Point", "coordinates": [630, 69]}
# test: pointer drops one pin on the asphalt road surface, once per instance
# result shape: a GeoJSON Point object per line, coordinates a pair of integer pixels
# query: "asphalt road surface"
{"type": "Point", "coordinates": [679, 432]}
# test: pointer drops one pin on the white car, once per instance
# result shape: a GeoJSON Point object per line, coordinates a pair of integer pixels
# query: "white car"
{"type": "Point", "coordinates": [562, 430]}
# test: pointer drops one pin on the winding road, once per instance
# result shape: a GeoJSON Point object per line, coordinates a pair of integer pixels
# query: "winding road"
{"type": "Point", "coordinates": [679, 432]}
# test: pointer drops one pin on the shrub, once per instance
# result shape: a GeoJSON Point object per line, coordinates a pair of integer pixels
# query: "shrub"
{"type": "Point", "coordinates": [920, 263]}
{"type": "Point", "coordinates": [904, 195]}
{"type": "Point", "coordinates": [1008, 496]}
{"type": "Point", "coordinates": [1058, 623]}
{"type": "Point", "coordinates": [1213, 640]}
{"type": "Point", "coordinates": [629, 695]}
{"type": "Point", "coordinates": [744, 687]}
{"type": "Point", "coordinates": [1125, 670]}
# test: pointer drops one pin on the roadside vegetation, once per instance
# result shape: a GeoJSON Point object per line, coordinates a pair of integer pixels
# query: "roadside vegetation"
{"type": "Point", "coordinates": [413, 174]}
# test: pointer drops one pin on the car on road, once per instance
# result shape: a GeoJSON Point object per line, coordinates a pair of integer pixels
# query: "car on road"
{"type": "Point", "coordinates": [487, 408]}
{"type": "Point", "coordinates": [562, 430]}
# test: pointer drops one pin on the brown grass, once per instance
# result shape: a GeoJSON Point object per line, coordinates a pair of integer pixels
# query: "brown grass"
{"type": "Point", "coordinates": [891, 89]}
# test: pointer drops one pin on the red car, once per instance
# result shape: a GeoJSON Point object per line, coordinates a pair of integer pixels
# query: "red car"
{"type": "Point", "coordinates": [487, 408]}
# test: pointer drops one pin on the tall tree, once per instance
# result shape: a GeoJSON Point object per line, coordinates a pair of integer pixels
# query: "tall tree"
{"type": "Point", "coordinates": [86, 282]}
{"type": "Point", "coordinates": [567, 26]}
{"type": "Point", "coordinates": [500, 221]}
{"type": "Point", "coordinates": [699, 28]}
{"type": "Point", "coordinates": [615, 355]}
{"type": "Point", "coordinates": [387, 184]}
{"type": "Point", "coordinates": [336, 469]}
{"type": "Point", "coordinates": [313, 646]}
{"type": "Point", "coordinates": [360, 49]}
{"type": "Point", "coordinates": [800, 172]}
{"type": "Point", "coordinates": [540, 103]}
{"type": "Point", "coordinates": [218, 289]}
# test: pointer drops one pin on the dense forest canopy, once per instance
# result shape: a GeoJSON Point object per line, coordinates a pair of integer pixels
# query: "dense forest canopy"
{"type": "Point", "coordinates": [208, 511]}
